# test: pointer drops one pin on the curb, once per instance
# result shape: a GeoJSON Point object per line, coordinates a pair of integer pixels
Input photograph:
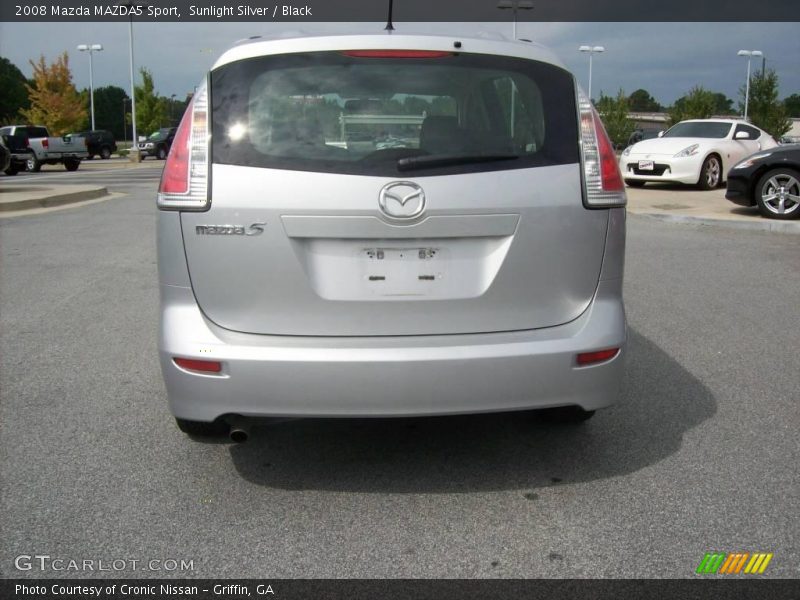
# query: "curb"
{"type": "Point", "coordinates": [761, 225]}
{"type": "Point", "coordinates": [53, 200]}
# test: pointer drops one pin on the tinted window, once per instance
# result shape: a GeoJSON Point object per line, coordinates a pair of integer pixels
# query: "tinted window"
{"type": "Point", "coordinates": [751, 131]}
{"type": "Point", "coordinates": [699, 129]}
{"type": "Point", "coordinates": [335, 113]}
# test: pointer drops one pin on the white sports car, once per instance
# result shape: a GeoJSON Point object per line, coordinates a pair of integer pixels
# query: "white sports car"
{"type": "Point", "coordinates": [700, 152]}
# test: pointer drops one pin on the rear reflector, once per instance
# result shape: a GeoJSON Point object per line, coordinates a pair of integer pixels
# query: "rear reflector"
{"type": "Point", "coordinates": [589, 358]}
{"type": "Point", "coordinates": [205, 366]}
{"type": "Point", "coordinates": [397, 53]}
{"type": "Point", "coordinates": [184, 182]}
{"type": "Point", "coordinates": [603, 181]}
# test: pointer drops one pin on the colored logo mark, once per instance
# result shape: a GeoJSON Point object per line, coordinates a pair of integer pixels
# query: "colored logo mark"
{"type": "Point", "coordinates": [733, 563]}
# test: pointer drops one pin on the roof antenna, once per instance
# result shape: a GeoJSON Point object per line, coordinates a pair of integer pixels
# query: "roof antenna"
{"type": "Point", "coordinates": [389, 27]}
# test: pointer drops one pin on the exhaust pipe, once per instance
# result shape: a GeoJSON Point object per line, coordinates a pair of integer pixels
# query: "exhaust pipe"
{"type": "Point", "coordinates": [239, 429]}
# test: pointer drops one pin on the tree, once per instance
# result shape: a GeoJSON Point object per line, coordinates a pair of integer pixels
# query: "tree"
{"type": "Point", "coordinates": [722, 104]}
{"type": "Point", "coordinates": [614, 114]}
{"type": "Point", "coordinates": [642, 101]}
{"type": "Point", "coordinates": [151, 109]}
{"type": "Point", "coordinates": [764, 109]}
{"type": "Point", "coordinates": [111, 103]}
{"type": "Point", "coordinates": [699, 103]}
{"type": "Point", "coordinates": [55, 103]}
{"type": "Point", "coordinates": [792, 105]}
{"type": "Point", "coordinates": [14, 96]}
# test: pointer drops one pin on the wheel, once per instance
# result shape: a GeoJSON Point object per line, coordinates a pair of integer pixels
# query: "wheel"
{"type": "Point", "coordinates": [634, 183]}
{"type": "Point", "coordinates": [105, 152]}
{"type": "Point", "coordinates": [202, 428]}
{"type": "Point", "coordinates": [778, 194]}
{"type": "Point", "coordinates": [710, 173]}
{"type": "Point", "coordinates": [566, 414]}
{"type": "Point", "coordinates": [33, 165]}
{"type": "Point", "coordinates": [72, 164]}
{"type": "Point", "coordinates": [162, 153]}
{"type": "Point", "coordinates": [11, 170]}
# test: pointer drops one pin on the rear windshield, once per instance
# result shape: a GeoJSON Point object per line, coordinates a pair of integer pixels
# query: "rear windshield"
{"type": "Point", "coordinates": [330, 112]}
{"type": "Point", "coordinates": [699, 130]}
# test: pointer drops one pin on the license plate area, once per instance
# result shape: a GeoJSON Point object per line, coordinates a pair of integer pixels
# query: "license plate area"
{"type": "Point", "coordinates": [403, 271]}
{"type": "Point", "coordinates": [646, 165]}
{"type": "Point", "coordinates": [430, 269]}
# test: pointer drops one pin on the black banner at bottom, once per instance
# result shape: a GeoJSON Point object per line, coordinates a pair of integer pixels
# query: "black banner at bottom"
{"type": "Point", "coordinates": [406, 589]}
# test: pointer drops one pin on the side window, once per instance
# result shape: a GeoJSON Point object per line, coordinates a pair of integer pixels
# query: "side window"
{"type": "Point", "coordinates": [753, 133]}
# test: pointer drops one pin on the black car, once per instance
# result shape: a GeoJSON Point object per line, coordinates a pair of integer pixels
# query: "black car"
{"type": "Point", "coordinates": [640, 135]}
{"type": "Point", "coordinates": [770, 180]}
{"type": "Point", "coordinates": [158, 143]}
{"type": "Point", "coordinates": [99, 143]}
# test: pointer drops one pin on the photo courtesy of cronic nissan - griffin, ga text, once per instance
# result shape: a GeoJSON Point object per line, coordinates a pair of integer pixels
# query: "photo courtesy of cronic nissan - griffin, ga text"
{"type": "Point", "coordinates": [386, 226]}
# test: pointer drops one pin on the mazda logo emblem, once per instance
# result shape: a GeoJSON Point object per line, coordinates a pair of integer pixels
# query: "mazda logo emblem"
{"type": "Point", "coordinates": [401, 200]}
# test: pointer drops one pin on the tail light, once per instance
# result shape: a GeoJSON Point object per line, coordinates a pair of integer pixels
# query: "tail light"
{"type": "Point", "coordinates": [602, 180]}
{"type": "Point", "coordinates": [45, 143]}
{"type": "Point", "coordinates": [184, 182]}
{"type": "Point", "coordinates": [397, 53]}
{"type": "Point", "coordinates": [204, 366]}
{"type": "Point", "coordinates": [590, 358]}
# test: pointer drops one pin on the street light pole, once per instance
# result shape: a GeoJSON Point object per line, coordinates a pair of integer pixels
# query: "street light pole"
{"type": "Point", "coordinates": [515, 5]}
{"type": "Point", "coordinates": [749, 54]}
{"type": "Point", "coordinates": [131, 4]}
{"type": "Point", "coordinates": [91, 48]}
{"type": "Point", "coordinates": [591, 50]}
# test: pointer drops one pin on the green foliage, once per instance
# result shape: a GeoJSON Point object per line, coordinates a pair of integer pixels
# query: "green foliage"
{"type": "Point", "coordinates": [765, 110]}
{"type": "Point", "coordinates": [792, 106]}
{"type": "Point", "coordinates": [151, 109]}
{"type": "Point", "coordinates": [642, 101]}
{"type": "Point", "coordinates": [722, 104]}
{"type": "Point", "coordinates": [110, 105]}
{"type": "Point", "coordinates": [614, 114]}
{"type": "Point", "coordinates": [13, 95]}
{"type": "Point", "coordinates": [55, 103]}
{"type": "Point", "coordinates": [699, 103]}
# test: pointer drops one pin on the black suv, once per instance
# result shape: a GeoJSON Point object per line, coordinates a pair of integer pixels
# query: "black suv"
{"type": "Point", "coordinates": [99, 143]}
{"type": "Point", "coordinates": [158, 143]}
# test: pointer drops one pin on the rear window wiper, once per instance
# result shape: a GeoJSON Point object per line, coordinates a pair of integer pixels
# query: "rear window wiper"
{"type": "Point", "coordinates": [443, 160]}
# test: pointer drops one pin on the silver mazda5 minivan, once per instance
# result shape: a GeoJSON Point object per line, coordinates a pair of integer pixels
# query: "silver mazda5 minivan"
{"type": "Point", "coordinates": [389, 225]}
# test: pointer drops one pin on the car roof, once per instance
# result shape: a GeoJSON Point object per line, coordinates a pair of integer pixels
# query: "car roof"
{"type": "Point", "coordinates": [296, 42]}
{"type": "Point", "coordinates": [728, 121]}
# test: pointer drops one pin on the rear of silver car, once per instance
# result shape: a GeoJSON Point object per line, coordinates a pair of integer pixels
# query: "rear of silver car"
{"type": "Point", "coordinates": [389, 226]}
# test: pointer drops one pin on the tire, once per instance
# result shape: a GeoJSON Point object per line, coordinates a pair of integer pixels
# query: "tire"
{"type": "Point", "coordinates": [105, 152]}
{"type": "Point", "coordinates": [11, 170]}
{"type": "Point", "coordinates": [71, 164]}
{"type": "Point", "coordinates": [33, 165]}
{"type": "Point", "coordinates": [710, 173]}
{"type": "Point", "coordinates": [566, 414]}
{"type": "Point", "coordinates": [202, 428]}
{"type": "Point", "coordinates": [778, 194]}
{"type": "Point", "coordinates": [162, 153]}
{"type": "Point", "coordinates": [90, 157]}
{"type": "Point", "coordinates": [634, 183]}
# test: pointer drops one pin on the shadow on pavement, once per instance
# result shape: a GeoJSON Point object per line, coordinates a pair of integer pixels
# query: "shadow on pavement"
{"type": "Point", "coordinates": [661, 401]}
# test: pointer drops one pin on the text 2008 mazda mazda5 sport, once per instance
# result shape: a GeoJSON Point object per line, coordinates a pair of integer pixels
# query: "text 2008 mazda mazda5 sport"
{"type": "Point", "coordinates": [389, 225]}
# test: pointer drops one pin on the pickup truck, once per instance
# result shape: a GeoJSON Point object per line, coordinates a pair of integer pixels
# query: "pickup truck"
{"type": "Point", "coordinates": [47, 150]}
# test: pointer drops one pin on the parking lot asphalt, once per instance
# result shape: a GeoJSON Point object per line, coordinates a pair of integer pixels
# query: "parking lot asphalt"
{"type": "Point", "coordinates": [55, 188]}
{"type": "Point", "coordinates": [700, 454]}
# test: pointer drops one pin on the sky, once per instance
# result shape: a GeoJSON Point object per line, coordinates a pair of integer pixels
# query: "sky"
{"type": "Point", "coordinates": [666, 59]}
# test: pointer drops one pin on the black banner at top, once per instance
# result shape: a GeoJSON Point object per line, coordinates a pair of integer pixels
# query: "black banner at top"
{"type": "Point", "coordinates": [404, 10]}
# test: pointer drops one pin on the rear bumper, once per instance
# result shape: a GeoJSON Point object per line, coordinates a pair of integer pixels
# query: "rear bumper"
{"type": "Point", "coordinates": [273, 376]}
